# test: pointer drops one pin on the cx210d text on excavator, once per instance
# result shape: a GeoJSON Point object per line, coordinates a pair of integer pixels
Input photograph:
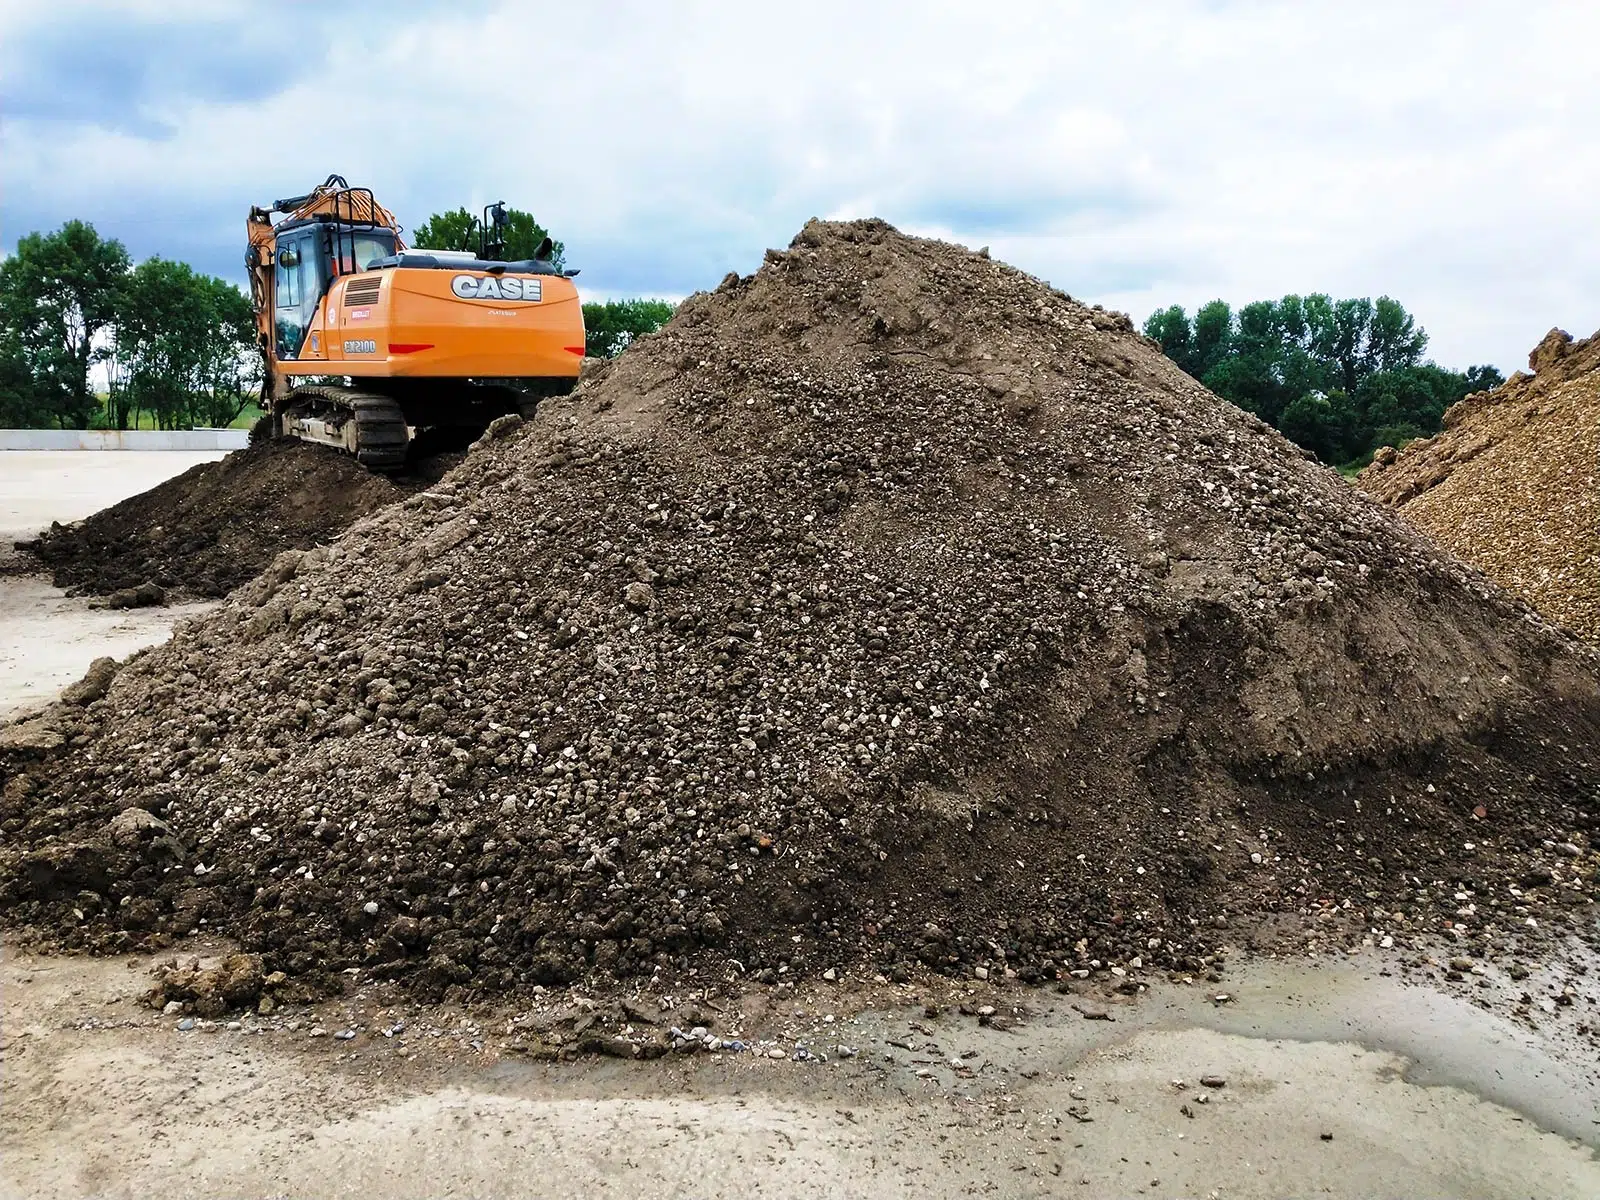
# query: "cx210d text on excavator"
{"type": "Point", "coordinates": [366, 341]}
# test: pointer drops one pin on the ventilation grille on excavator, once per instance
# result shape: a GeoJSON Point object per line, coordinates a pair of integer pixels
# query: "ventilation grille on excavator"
{"type": "Point", "coordinates": [362, 291]}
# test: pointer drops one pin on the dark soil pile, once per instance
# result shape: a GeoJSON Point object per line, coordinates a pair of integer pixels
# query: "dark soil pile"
{"type": "Point", "coordinates": [208, 530]}
{"type": "Point", "coordinates": [1512, 484]}
{"type": "Point", "coordinates": [887, 606]}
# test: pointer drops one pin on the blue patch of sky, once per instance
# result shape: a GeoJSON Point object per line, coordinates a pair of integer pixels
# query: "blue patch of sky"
{"type": "Point", "coordinates": [197, 234]}
{"type": "Point", "coordinates": [1024, 212]}
{"type": "Point", "coordinates": [117, 70]}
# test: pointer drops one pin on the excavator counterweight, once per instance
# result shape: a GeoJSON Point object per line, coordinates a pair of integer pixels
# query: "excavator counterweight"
{"type": "Point", "coordinates": [366, 341]}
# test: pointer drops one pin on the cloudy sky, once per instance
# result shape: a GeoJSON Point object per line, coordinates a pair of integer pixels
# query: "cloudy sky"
{"type": "Point", "coordinates": [1136, 154]}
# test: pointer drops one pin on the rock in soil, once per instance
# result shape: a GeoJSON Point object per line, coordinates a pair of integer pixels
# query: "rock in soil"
{"type": "Point", "coordinates": [888, 606]}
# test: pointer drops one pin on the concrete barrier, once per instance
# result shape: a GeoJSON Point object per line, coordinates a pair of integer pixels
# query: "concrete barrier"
{"type": "Point", "coordinates": [124, 439]}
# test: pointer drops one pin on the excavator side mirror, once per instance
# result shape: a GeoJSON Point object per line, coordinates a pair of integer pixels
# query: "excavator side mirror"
{"type": "Point", "coordinates": [545, 250]}
{"type": "Point", "coordinates": [497, 213]}
{"type": "Point", "coordinates": [288, 257]}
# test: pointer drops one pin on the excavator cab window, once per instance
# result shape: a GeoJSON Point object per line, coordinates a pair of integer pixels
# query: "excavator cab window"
{"type": "Point", "coordinates": [297, 287]}
{"type": "Point", "coordinates": [357, 252]}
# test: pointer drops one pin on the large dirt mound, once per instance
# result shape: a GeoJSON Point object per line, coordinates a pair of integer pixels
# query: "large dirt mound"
{"type": "Point", "coordinates": [887, 605]}
{"type": "Point", "coordinates": [218, 524]}
{"type": "Point", "coordinates": [1512, 484]}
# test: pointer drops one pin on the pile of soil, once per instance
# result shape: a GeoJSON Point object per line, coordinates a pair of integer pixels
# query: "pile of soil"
{"type": "Point", "coordinates": [887, 606]}
{"type": "Point", "coordinates": [205, 532]}
{"type": "Point", "coordinates": [1512, 484]}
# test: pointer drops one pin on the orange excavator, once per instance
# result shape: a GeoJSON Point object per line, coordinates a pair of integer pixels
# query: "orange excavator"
{"type": "Point", "coordinates": [366, 342]}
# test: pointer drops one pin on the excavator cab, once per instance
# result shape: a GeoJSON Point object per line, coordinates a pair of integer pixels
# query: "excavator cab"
{"type": "Point", "coordinates": [410, 340]}
{"type": "Point", "coordinates": [307, 262]}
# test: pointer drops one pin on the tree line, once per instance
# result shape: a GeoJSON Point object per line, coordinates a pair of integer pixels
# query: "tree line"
{"type": "Point", "coordinates": [173, 342]}
{"type": "Point", "coordinates": [1338, 377]}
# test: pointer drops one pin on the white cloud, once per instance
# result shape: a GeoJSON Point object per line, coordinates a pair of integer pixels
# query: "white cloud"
{"type": "Point", "coordinates": [1134, 155]}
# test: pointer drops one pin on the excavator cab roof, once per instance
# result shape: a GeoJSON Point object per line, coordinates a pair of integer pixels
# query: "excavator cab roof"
{"type": "Point", "coordinates": [341, 222]}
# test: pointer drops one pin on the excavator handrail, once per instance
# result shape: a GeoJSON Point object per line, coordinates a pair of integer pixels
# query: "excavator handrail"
{"type": "Point", "coordinates": [348, 223]}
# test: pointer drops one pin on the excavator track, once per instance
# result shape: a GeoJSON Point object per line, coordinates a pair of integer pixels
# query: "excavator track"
{"type": "Point", "coordinates": [369, 426]}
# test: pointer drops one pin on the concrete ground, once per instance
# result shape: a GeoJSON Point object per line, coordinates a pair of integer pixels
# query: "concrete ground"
{"type": "Point", "coordinates": [41, 486]}
{"type": "Point", "coordinates": [48, 639]}
{"type": "Point", "coordinates": [1335, 1080]}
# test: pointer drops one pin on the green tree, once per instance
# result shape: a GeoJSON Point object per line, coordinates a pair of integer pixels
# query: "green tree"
{"type": "Point", "coordinates": [58, 293]}
{"type": "Point", "coordinates": [1213, 337]}
{"type": "Point", "coordinates": [453, 230]}
{"type": "Point", "coordinates": [1483, 378]}
{"type": "Point", "coordinates": [230, 373]}
{"type": "Point", "coordinates": [181, 348]}
{"type": "Point", "coordinates": [19, 402]}
{"type": "Point", "coordinates": [1170, 328]}
{"type": "Point", "coordinates": [162, 333]}
{"type": "Point", "coordinates": [458, 230]}
{"type": "Point", "coordinates": [1325, 425]}
{"type": "Point", "coordinates": [1394, 342]}
{"type": "Point", "coordinates": [1335, 376]}
{"type": "Point", "coordinates": [1249, 381]}
{"type": "Point", "coordinates": [1410, 402]}
{"type": "Point", "coordinates": [612, 326]}
{"type": "Point", "coordinates": [1350, 321]}
{"type": "Point", "coordinates": [1252, 374]}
